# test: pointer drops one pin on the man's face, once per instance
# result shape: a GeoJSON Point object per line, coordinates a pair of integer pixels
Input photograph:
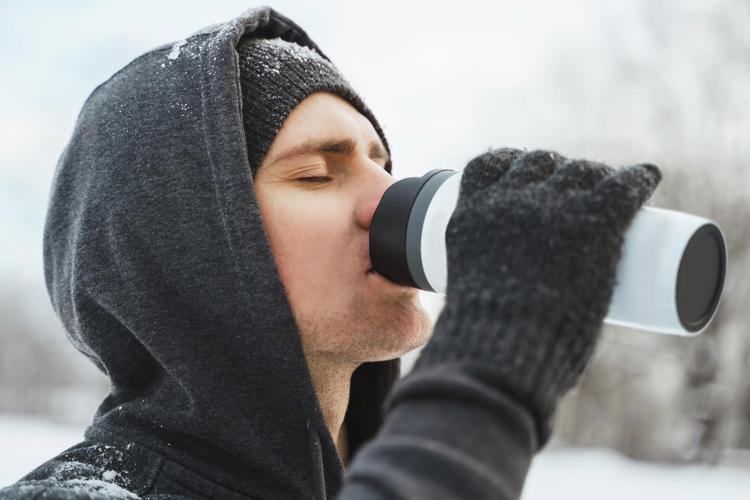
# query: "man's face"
{"type": "Point", "coordinates": [317, 207]}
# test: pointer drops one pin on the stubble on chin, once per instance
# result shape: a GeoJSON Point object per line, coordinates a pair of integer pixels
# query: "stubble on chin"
{"type": "Point", "coordinates": [389, 328]}
{"type": "Point", "coordinates": [371, 329]}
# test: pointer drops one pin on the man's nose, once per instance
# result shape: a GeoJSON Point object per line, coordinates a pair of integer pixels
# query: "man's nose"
{"type": "Point", "coordinates": [372, 192]}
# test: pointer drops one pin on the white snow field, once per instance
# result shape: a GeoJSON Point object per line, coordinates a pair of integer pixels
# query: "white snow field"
{"type": "Point", "coordinates": [584, 474]}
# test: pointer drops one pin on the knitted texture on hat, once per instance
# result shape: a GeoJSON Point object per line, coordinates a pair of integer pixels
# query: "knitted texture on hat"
{"type": "Point", "coordinates": [275, 76]}
{"type": "Point", "coordinates": [532, 246]}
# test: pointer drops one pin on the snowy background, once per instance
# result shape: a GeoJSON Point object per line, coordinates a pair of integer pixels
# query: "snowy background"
{"type": "Point", "coordinates": [620, 82]}
{"type": "Point", "coordinates": [583, 474]}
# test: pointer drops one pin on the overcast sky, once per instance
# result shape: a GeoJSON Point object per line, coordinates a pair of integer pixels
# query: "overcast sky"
{"type": "Point", "coordinates": [446, 80]}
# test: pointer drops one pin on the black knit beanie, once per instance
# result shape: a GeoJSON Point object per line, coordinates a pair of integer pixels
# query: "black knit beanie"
{"type": "Point", "coordinates": [275, 76]}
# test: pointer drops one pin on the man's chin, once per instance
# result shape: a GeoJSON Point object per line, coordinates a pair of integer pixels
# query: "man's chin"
{"type": "Point", "coordinates": [370, 328]}
{"type": "Point", "coordinates": [408, 330]}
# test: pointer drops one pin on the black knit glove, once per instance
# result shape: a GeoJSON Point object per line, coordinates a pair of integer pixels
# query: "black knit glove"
{"type": "Point", "coordinates": [533, 246]}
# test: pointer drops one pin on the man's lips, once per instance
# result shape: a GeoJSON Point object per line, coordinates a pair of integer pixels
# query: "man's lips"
{"type": "Point", "coordinates": [385, 282]}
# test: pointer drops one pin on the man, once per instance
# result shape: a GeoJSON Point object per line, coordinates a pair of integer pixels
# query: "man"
{"type": "Point", "coordinates": [206, 246]}
{"type": "Point", "coordinates": [316, 205]}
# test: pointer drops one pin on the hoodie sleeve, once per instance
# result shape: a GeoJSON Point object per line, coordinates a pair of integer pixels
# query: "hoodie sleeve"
{"type": "Point", "coordinates": [448, 434]}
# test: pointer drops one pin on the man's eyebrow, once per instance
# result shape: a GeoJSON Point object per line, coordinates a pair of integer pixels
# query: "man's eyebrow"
{"type": "Point", "coordinates": [346, 146]}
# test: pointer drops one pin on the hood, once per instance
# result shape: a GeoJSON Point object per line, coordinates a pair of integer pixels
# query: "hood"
{"type": "Point", "coordinates": [159, 267]}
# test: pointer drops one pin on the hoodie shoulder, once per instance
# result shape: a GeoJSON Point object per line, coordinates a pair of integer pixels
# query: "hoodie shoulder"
{"type": "Point", "coordinates": [115, 469]}
{"type": "Point", "coordinates": [70, 490]}
{"type": "Point", "coordinates": [88, 470]}
{"type": "Point", "coordinates": [66, 490]}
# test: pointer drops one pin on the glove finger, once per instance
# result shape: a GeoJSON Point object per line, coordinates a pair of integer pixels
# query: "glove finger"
{"type": "Point", "coordinates": [531, 167]}
{"type": "Point", "coordinates": [486, 169]}
{"type": "Point", "coordinates": [579, 175]}
{"type": "Point", "coordinates": [623, 193]}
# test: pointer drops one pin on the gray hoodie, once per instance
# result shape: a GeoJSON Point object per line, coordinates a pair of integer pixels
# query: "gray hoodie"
{"type": "Point", "coordinates": [158, 266]}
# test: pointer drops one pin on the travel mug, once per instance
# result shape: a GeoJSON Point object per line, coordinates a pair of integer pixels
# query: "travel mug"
{"type": "Point", "coordinates": [669, 278]}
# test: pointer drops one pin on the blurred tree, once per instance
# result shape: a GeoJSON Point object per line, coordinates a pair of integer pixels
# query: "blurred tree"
{"type": "Point", "coordinates": [677, 93]}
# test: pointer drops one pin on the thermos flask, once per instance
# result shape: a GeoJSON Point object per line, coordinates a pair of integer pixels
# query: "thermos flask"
{"type": "Point", "coordinates": [669, 278]}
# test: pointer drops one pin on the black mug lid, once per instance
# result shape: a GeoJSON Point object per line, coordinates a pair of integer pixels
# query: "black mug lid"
{"type": "Point", "coordinates": [700, 277]}
{"type": "Point", "coordinates": [389, 228]}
